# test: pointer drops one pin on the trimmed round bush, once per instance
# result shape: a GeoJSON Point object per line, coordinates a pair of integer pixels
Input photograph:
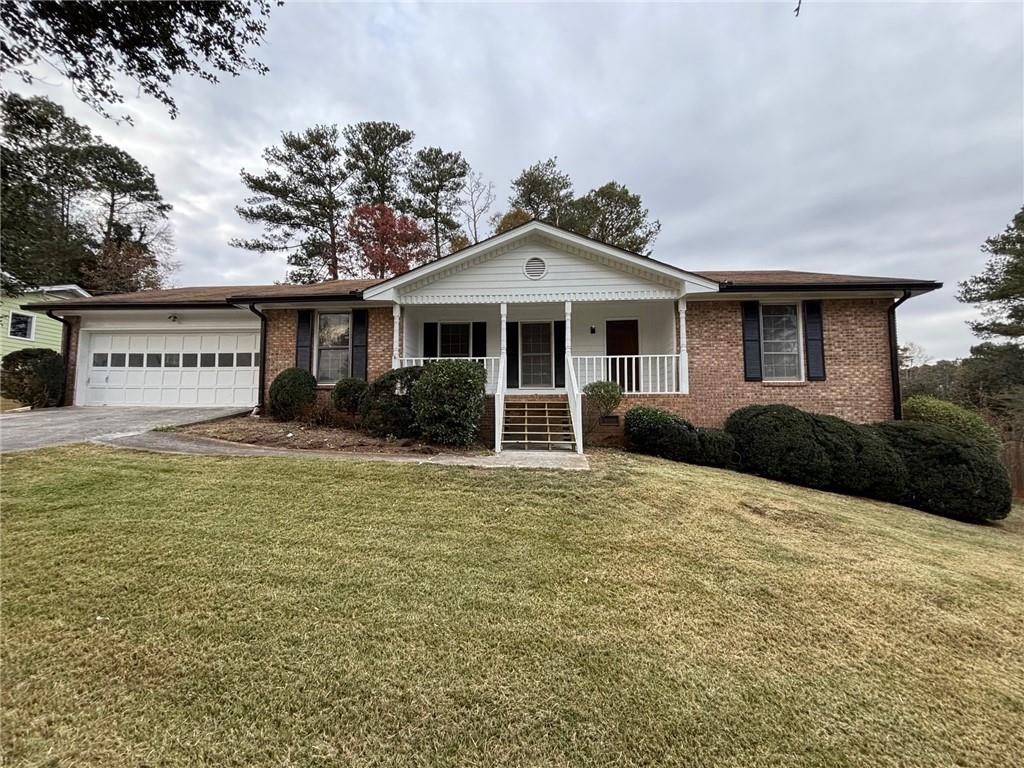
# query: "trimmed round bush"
{"type": "Point", "coordinates": [347, 395]}
{"type": "Point", "coordinates": [779, 442]}
{"type": "Point", "coordinates": [717, 448]}
{"type": "Point", "coordinates": [33, 377]}
{"type": "Point", "coordinates": [291, 393]}
{"type": "Point", "coordinates": [448, 401]}
{"type": "Point", "coordinates": [600, 398]}
{"type": "Point", "coordinates": [861, 462]}
{"type": "Point", "coordinates": [386, 407]}
{"type": "Point", "coordinates": [959, 419]}
{"type": "Point", "coordinates": [948, 473]}
{"type": "Point", "coordinates": [660, 433]}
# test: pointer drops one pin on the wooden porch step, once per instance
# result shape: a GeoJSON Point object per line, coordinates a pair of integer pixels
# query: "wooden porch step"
{"type": "Point", "coordinates": [531, 424]}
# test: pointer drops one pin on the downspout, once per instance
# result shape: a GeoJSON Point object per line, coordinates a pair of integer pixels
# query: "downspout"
{"type": "Point", "coordinates": [65, 340]}
{"type": "Point", "coordinates": [263, 354]}
{"type": "Point", "coordinates": [894, 358]}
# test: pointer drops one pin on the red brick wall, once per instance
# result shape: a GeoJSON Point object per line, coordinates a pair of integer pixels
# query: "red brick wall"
{"type": "Point", "coordinates": [282, 325]}
{"type": "Point", "coordinates": [71, 359]}
{"type": "Point", "coordinates": [857, 387]}
{"type": "Point", "coordinates": [280, 350]}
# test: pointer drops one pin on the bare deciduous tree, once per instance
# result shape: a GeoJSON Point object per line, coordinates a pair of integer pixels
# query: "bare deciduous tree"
{"type": "Point", "coordinates": [479, 197]}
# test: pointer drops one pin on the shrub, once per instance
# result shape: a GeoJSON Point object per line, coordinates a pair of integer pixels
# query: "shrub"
{"type": "Point", "coordinates": [959, 419]}
{"type": "Point", "coordinates": [948, 473]}
{"type": "Point", "coordinates": [386, 407]}
{"type": "Point", "coordinates": [291, 392]}
{"type": "Point", "coordinates": [448, 401]}
{"type": "Point", "coordinates": [861, 462]}
{"type": "Point", "coordinates": [601, 398]}
{"type": "Point", "coordinates": [660, 433]}
{"type": "Point", "coordinates": [717, 448]}
{"type": "Point", "coordinates": [347, 395]}
{"type": "Point", "coordinates": [33, 377]}
{"type": "Point", "coordinates": [319, 414]}
{"type": "Point", "coordinates": [778, 441]}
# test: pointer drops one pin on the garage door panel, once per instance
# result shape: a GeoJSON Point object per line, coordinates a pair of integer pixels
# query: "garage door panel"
{"type": "Point", "coordinates": [205, 368]}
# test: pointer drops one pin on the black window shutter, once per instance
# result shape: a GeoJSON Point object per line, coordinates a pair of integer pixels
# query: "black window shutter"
{"type": "Point", "coordinates": [512, 355]}
{"type": "Point", "coordinates": [751, 312]}
{"type": "Point", "coordinates": [304, 340]}
{"type": "Point", "coordinates": [559, 329]}
{"type": "Point", "coordinates": [479, 340]}
{"type": "Point", "coordinates": [814, 341]}
{"type": "Point", "coordinates": [430, 339]}
{"type": "Point", "coordinates": [360, 328]}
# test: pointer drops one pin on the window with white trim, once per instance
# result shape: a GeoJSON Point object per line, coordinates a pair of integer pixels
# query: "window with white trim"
{"type": "Point", "coordinates": [780, 342]}
{"type": "Point", "coordinates": [333, 347]}
{"type": "Point", "coordinates": [21, 326]}
{"type": "Point", "coordinates": [454, 340]}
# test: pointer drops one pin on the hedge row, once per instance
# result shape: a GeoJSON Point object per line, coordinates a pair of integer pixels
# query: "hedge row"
{"type": "Point", "coordinates": [441, 402]}
{"type": "Point", "coordinates": [927, 466]}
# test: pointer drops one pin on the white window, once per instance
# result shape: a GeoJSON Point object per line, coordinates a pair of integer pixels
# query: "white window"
{"type": "Point", "coordinates": [780, 342]}
{"type": "Point", "coordinates": [454, 340]}
{"type": "Point", "coordinates": [22, 326]}
{"type": "Point", "coordinates": [333, 347]}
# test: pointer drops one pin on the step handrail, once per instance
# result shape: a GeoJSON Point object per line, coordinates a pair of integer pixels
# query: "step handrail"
{"type": "Point", "coordinates": [499, 404]}
{"type": "Point", "coordinates": [575, 398]}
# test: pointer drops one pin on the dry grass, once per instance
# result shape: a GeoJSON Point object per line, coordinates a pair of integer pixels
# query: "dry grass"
{"type": "Point", "coordinates": [184, 611]}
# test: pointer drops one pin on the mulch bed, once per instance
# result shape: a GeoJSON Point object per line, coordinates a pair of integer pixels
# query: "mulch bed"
{"type": "Point", "coordinates": [256, 430]}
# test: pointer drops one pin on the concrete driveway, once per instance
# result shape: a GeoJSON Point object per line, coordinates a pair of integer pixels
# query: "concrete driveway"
{"type": "Point", "coordinates": [61, 426]}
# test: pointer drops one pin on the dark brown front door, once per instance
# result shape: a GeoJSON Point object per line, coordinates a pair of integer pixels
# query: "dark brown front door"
{"type": "Point", "coordinates": [622, 337]}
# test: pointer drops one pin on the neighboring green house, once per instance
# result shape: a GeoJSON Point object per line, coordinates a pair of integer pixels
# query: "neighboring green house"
{"type": "Point", "coordinates": [20, 328]}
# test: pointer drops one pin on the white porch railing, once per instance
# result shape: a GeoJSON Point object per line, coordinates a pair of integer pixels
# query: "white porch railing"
{"type": "Point", "coordinates": [491, 366]}
{"type": "Point", "coordinates": [574, 394]}
{"type": "Point", "coordinates": [636, 374]}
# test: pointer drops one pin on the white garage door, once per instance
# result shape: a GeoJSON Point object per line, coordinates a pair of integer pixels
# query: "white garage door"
{"type": "Point", "coordinates": [172, 369]}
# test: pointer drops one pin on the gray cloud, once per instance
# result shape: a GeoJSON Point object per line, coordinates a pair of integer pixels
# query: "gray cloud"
{"type": "Point", "coordinates": [867, 138]}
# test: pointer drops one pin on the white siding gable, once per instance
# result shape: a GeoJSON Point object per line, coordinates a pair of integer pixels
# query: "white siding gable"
{"type": "Point", "coordinates": [573, 274]}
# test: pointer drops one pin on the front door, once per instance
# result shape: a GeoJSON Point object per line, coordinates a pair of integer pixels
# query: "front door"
{"type": "Point", "coordinates": [536, 367]}
{"type": "Point", "coordinates": [622, 337]}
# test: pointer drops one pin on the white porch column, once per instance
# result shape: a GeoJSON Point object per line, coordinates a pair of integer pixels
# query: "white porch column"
{"type": "Point", "coordinates": [568, 328]}
{"type": "Point", "coordinates": [504, 331]}
{"type": "Point", "coordinates": [396, 316]}
{"type": "Point", "coordinates": [684, 360]}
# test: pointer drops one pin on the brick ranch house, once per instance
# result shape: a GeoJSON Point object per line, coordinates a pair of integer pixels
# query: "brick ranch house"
{"type": "Point", "coordinates": [543, 310]}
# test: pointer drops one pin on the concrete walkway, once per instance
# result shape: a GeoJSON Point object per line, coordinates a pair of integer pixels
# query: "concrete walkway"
{"type": "Point", "coordinates": [172, 442]}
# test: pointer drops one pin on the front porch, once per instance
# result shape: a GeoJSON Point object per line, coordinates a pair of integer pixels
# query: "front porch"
{"type": "Point", "coordinates": [551, 349]}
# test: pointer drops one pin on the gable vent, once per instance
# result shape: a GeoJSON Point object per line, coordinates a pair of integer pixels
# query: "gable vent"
{"type": "Point", "coordinates": [535, 268]}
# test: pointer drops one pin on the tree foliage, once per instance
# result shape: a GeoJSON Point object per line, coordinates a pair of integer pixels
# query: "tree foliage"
{"type": "Point", "coordinates": [543, 191]}
{"type": "Point", "coordinates": [301, 202]}
{"type": "Point", "coordinates": [999, 290]}
{"type": "Point", "coordinates": [384, 243]}
{"type": "Point", "coordinates": [377, 156]}
{"type": "Point", "coordinates": [436, 181]}
{"type": "Point", "coordinates": [613, 215]}
{"type": "Point", "coordinates": [94, 44]}
{"type": "Point", "coordinates": [71, 203]}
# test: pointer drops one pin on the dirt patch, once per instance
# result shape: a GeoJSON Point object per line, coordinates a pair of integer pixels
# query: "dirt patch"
{"type": "Point", "coordinates": [254, 430]}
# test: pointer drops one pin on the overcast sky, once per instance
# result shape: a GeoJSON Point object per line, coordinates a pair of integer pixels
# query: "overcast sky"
{"type": "Point", "coordinates": [866, 138]}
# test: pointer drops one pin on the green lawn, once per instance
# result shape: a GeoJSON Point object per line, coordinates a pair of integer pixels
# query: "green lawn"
{"type": "Point", "coordinates": [173, 611]}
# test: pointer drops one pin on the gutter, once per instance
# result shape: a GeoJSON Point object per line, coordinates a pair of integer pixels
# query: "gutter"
{"type": "Point", "coordinates": [65, 340]}
{"type": "Point", "coordinates": [894, 358]}
{"type": "Point", "coordinates": [263, 354]}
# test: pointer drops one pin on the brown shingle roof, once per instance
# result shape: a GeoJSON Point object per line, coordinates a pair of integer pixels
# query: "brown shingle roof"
{"type": "Point", "coordinates": [786, 278]}
{"type": "Point", "coordinates": [219, 295]}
